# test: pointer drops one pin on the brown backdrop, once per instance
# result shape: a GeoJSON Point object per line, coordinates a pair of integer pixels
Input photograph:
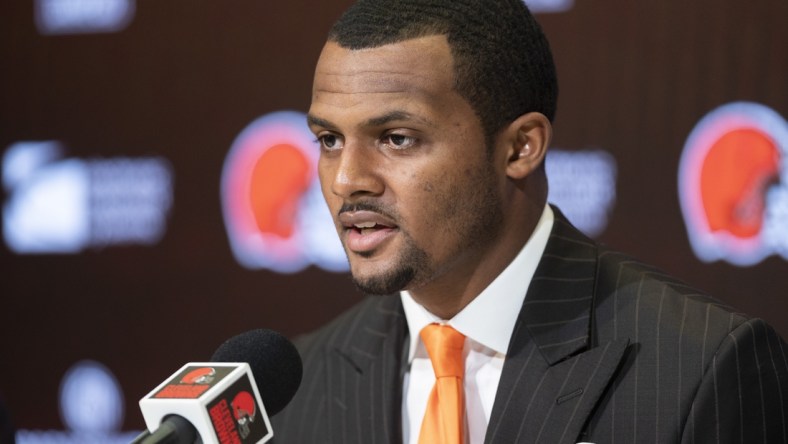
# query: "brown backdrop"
{"type": "Point", "coordinates": [187, 76]}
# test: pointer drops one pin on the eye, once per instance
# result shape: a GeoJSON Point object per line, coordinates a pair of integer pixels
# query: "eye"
{"type": "Point", "coordinates": [329, 142]}
{"type": "Point", "coordinates": [399, 141]}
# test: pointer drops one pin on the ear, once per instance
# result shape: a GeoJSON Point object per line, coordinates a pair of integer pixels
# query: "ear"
{"type": "Point", "coordinates": [525, 142]}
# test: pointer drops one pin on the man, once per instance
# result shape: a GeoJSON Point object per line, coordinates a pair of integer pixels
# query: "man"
{"type": "Point", "coordinates": [433, 119]}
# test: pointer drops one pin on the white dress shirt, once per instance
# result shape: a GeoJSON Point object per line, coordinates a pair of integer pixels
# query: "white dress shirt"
{"type": "Point", "coordinates": [487, 322]}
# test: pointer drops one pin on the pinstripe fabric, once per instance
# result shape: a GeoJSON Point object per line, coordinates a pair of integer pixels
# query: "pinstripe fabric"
{"type": "Point", "coordinates": [351, 390]}
{"type": "Point", "coordinates": [605, 350]}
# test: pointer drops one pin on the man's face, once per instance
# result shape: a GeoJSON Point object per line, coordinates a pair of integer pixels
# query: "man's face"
{"type": "Point", "coordinates": [403, 165]}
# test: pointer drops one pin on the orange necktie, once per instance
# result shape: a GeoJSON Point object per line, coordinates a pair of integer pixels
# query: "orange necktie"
{"type": "Point", "coordinates": [443, 422]}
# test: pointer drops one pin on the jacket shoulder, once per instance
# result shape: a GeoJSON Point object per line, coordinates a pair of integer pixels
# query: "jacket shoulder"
{"type": "Point", "coordinates": [330, 354]}
{"type": "Point", "coordinates": [633, 286]}
{"type": "Point", "coordinates": [340, 332]}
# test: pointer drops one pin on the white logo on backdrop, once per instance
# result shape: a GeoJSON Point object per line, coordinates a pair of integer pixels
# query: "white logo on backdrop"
{"type": "Point", "coordinates": [583, 185]}
{"type": "Point", "coordinates": [57, 205]}
{"type": "Point", "coordinates": [543, 6]}
{"type": "Point", "coordinates": [83, 16]}
{"type": "Point", "coordinates": [91, 407]}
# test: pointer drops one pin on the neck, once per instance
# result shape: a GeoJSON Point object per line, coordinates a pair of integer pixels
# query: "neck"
{"type": "Point", "coordinates": [449, 292]}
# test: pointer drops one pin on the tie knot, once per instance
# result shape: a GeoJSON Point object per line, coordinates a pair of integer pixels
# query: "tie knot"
{"type": "Point", "coordinates": [444, 345]}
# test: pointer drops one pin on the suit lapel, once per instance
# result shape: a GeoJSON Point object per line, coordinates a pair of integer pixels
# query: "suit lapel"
{"type": "Point", "coordinates": [552, 378]}
{"type": "Point", "coordinates": [364, 375]}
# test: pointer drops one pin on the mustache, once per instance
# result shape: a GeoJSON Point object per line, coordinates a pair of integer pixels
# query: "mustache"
{"type": "Point", "coordinates": [368, 206]}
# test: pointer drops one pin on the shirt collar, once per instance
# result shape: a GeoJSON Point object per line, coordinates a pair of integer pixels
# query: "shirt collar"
{"type": "Point", "coordinates": [490, 317]}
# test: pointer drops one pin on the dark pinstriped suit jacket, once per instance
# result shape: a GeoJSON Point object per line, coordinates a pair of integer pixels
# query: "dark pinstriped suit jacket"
{"type": "Point", "coordinates": [605, 350]}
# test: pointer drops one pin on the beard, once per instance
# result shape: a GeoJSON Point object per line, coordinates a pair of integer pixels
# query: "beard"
{"type": "Point", "coordinates": [412, 261]}
{"type": "Point", "coordinates": [471, 220]}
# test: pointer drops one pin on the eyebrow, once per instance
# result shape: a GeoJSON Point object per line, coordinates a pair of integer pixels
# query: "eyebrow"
{"type": "Point", "coordinates": [396, 116]}
{"type": "Point", "coordinates": [317, 121]}
{"type": "Point", "coordinates": [389, 117]}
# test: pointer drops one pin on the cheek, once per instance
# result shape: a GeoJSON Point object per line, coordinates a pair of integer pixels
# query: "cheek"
{"type": "Point", "coordinates": [434, 201]}
{"type": "Point", "coordinates": [324, 174]}
{"type": "Point", "coordinates": [332, 200]}
{"type": "Point", "coordinates": [456, 197]}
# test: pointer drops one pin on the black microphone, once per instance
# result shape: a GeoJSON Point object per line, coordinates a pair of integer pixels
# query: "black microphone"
{"type": "Point", "coordinates": [275, 362]}
{"type": "Point", "coordinates": [252, 376]}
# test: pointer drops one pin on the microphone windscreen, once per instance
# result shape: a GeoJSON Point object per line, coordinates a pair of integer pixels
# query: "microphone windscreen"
{"type": "Point", "coordinates": [275, 364]}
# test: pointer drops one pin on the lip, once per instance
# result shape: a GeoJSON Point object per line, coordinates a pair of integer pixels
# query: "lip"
{"type": "Point", "coordinates": [366, 240]}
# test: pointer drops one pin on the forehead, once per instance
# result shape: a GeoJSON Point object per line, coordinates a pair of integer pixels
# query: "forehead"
{"type": "Point", "coordinates": [414, 71]}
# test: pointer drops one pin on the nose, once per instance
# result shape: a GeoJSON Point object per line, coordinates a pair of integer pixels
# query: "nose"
{"type": "Point", "coordinates": [352, 172]}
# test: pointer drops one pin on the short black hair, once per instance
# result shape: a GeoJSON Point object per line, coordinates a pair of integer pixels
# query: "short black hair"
{"type": "Point", "coordinates": [503, 65]}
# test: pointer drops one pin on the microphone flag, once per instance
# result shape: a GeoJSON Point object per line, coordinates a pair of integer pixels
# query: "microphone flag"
{"type": "Point", "coordinates": [221, 400]}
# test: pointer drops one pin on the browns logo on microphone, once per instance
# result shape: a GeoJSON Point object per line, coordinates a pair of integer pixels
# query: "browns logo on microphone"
{"type": "Point", "coordinates": [203, 375]}
{"type": "Point", "coordinates": [233, 415]}
{"type": "Point", "coordinates": [192, 382]}
{"type": "Point", "coordinates": [244, 411]}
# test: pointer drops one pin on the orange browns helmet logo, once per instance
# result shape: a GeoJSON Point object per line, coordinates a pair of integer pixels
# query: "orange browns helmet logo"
{"type": "Point", "coordinates": [244, 411]}
{"type": "Point", "coordinates": [733, 184]}
{"type": "Point", "coordinates": [202, 375]}
{"type": "Point", "coordinates": [273, 208]}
